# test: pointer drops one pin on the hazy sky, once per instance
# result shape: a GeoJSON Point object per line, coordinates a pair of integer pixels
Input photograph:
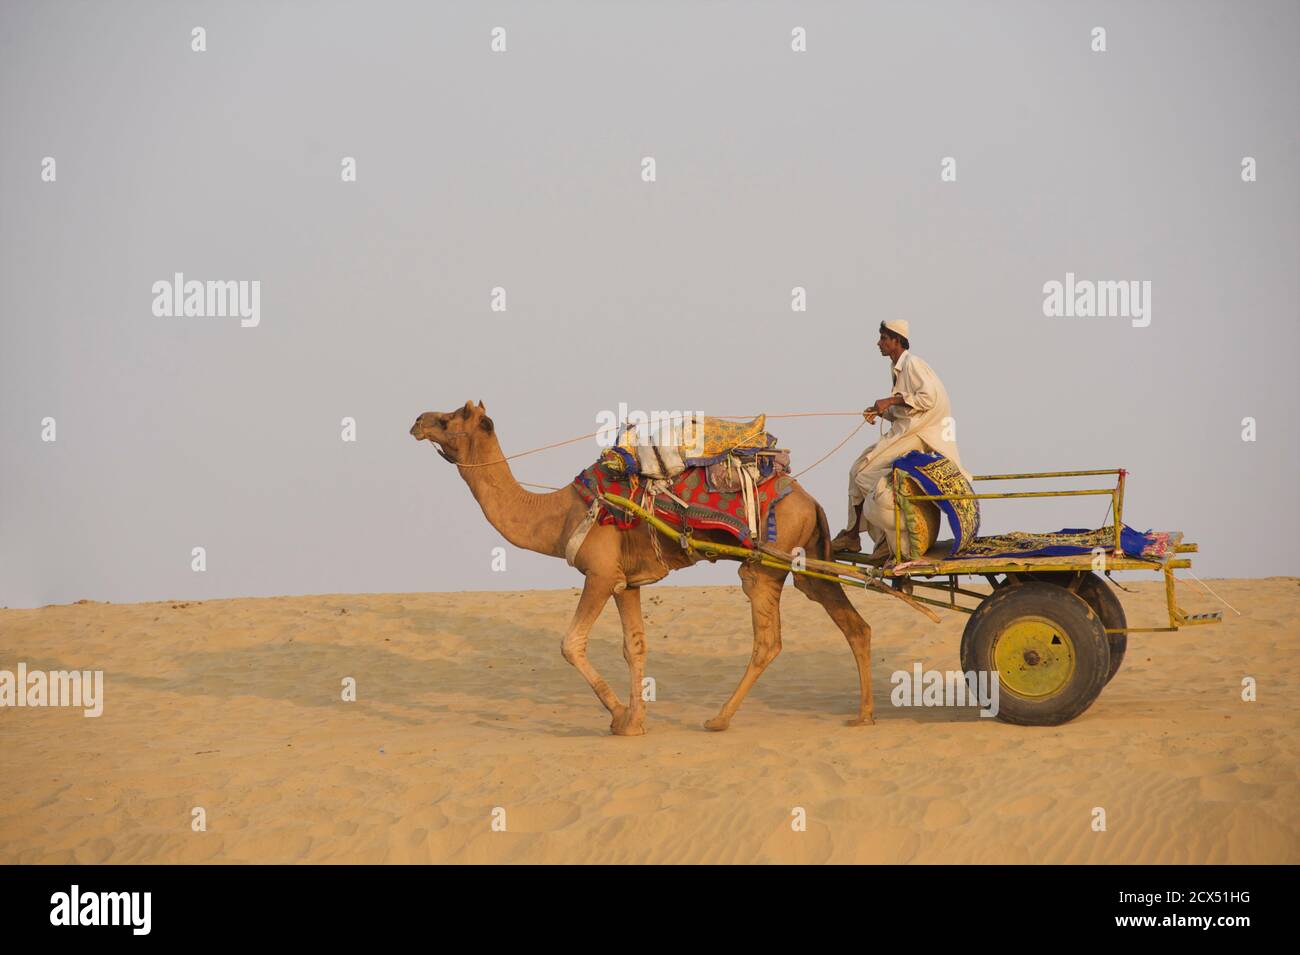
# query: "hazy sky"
{"type": "Point", "coordinates": [522, 169]}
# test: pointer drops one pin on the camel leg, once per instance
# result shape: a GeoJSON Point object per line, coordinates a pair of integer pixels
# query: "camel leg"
{"type": "Point", "coordinates": [856, 630]}
{"type": "Point", "coordinates": [763, 588]}
{"type": "Point", "coordinates": [595, 593]}
{"type": "Point", "coordinates": [629, 611]}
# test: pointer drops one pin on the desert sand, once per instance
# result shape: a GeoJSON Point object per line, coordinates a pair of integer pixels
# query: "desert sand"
{"type": "Point", "coordinates": [465, 705]}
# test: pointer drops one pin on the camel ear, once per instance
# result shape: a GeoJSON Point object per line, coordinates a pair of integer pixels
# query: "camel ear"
{"type": "Point", "coordinates": [480, 405]}
{"type": "Point", "coordinates": [486, 424]}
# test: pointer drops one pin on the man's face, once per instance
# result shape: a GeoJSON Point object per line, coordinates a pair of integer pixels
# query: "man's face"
{"type": "Point", "coordinates": [884, 344]}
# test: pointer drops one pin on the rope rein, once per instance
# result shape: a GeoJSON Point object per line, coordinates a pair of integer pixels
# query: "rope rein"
{"type": "Point", "coordinates": [832, 450]}
{"type": "Point", "coordinates": [584, 437]}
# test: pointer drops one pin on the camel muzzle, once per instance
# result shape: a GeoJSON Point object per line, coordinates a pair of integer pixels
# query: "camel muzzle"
{"type": "Point", "coordinates": [417, 429]}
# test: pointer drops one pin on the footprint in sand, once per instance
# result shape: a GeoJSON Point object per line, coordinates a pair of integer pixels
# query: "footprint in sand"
{"type": "Point", "coordinates": [686, 795]}
{"type": "Point", "coordinates": [1225, 788]}
{"type": "Point", "coordinates": [875, 787]}
{"type": "Point", "coordinates": [1031, 805]}
{"type": "Point", "coordinates": [94, 852]}
{"type": "Point", "coordinates": [644, 797]}
{"type": "Point", "coordinates": [786, 847]}
{"type": "Point", "coordinates": [944, 814]}
{"type": "Point", "coordinates": [541, 816]}
{"type": "Point", "coordinates": [939, 790]}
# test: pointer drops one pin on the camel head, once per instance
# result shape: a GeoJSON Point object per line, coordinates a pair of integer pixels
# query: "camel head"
{"type": "Point", "coordinates": [454, 433]}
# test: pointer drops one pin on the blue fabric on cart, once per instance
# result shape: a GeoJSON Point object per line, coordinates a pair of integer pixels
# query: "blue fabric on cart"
{"type": "Point", "coordinates": [937, 475]}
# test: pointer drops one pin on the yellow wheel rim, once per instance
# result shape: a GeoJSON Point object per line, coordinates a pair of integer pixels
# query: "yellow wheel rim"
{"type": "Point", "coordinates": [1034, 657]}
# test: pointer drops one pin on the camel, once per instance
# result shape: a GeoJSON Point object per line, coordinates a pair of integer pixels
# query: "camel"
{"type": "Point", "coordinates": [618, 562]}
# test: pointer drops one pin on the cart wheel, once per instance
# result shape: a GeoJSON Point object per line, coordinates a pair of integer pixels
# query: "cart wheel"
{"type": "Point", "coordinates": [1104, 604]}
{"type": "Point", "coordinates": [1048, 647]}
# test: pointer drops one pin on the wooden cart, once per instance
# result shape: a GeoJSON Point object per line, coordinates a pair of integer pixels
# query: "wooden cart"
{"type": "Point", "coordinates": [1051, 627]}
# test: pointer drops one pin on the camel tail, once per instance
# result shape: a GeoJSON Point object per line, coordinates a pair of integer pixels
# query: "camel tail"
{"type": "Point", "coordinates": [824, 532]}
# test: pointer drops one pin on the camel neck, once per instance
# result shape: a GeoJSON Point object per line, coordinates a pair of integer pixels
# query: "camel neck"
{"type": "Point", "coordinates": [527, 520]}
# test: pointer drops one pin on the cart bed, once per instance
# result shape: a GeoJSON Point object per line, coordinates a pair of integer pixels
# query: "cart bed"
{"type": "Point", "coordinates": [937, 563]}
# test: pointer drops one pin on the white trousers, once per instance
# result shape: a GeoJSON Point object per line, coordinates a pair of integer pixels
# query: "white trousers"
{"type": "Point", "coordinates": [869, 486]}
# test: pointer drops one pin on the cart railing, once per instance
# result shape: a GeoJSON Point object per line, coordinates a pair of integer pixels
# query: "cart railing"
{"type": "Point", "coordinates": [1177, 617]}
{"type": "Point", "coordinates": [1116, 496]}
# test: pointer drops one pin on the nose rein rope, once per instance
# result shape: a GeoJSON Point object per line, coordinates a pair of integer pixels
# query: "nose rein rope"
{"type": "Point", "coordinates": [584, 437]}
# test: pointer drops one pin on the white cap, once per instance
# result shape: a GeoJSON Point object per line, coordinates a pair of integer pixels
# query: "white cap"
{"type": "Point", "coordinates": [898, 326]}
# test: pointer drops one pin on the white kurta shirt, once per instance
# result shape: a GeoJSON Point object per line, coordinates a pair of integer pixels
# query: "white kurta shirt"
{"type": "Point", "coordinates": [926, 414]}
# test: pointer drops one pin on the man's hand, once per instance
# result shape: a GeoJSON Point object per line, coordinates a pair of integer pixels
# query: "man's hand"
{"type": "Point", "coordinates": [880, 407]}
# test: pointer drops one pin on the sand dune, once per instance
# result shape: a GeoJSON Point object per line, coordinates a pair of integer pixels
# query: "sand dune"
{"type": "Point", "coordinates": [465, 705]}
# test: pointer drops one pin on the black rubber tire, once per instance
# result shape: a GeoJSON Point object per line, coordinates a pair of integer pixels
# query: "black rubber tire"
{"type": "Point", "coordinates": [1067, 612]}
{"type": "Point", "coordinates": [1101, 598]}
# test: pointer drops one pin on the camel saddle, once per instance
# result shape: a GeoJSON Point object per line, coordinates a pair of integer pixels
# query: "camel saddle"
{"type": "Point", "coordinates": [702, 474]}
{"type": "Point", "coordinates": [666, 448]}
{"type": "Point", "coordinates": [685, 503]}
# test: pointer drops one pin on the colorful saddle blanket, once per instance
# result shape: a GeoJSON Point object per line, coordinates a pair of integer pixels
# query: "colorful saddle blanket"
{"type": "Point", "coordinates": [688, 499]}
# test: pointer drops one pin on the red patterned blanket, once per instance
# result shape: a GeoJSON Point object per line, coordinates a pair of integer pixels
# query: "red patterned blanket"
{"type": "Point", "coordinates": [705, 509]}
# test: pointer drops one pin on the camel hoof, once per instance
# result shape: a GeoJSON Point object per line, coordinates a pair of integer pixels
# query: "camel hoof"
{"type": "Point", "coordinates": [861, 721]}
{"type": "Point", "coordinates": [717, 724]}
{"type": "Point", "coordinates": [624, 725]}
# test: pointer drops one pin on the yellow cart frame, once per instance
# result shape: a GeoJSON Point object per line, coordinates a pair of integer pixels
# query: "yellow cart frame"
{"type": "Point", "coordinates": [857, 569]}
{"type": "Point", "coordinates": [990, 567]}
